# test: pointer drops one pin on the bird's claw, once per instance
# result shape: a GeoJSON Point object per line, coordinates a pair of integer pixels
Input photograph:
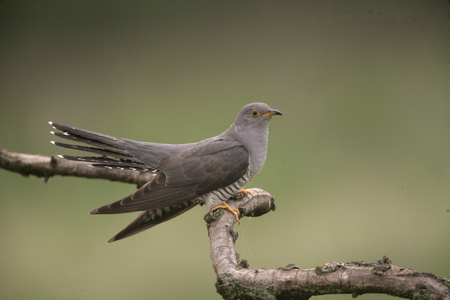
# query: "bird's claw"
{"type": "Point", "coordinates": [234, 211]}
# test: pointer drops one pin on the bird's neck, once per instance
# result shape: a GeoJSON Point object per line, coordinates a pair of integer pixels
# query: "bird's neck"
{"type": "Point", "coordinates": [258, 152]}
{"type": "Point", "coordinates": [256, 145]}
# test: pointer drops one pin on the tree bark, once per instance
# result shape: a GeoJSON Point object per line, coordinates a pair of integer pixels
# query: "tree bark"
{"type": "Point", "coordinates": [235, 280]}
{"type": "Point", "coordinates": [48, 166]}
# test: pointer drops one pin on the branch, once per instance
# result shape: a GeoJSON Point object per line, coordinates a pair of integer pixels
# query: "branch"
{"type": "Point", "coordinates": [235, 280]}
{"type": "Point", "coordinates": [46, 166]}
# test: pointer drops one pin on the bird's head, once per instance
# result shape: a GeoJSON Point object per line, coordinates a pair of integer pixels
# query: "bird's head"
{"type": "Point", "coordinates": [255, 115]}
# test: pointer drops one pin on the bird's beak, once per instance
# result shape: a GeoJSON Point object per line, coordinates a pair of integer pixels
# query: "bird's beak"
{"type": "Point", "coordinates": [273, 112]}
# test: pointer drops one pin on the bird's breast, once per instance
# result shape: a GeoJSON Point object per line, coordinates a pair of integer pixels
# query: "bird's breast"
{"type": "Point", "coordinates": [257, 154]}
{"type": "Point", "coordinates": [216, 197]}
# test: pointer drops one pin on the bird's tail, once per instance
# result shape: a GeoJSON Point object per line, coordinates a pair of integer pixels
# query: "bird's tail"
{"type": "Point", "coordinates": [112, 150]}
{"type": "Point", "coordinates": [150, 218]}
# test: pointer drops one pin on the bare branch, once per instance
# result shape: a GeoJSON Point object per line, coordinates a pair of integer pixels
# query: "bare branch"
{"type": "Point", "coordinates": [46, 166]}
{"type": "Point", "coordinates": [236, 281]}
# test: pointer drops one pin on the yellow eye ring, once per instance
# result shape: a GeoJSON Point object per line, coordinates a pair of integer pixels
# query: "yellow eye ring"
{"type": "Point", "coordinates": [254, 113]}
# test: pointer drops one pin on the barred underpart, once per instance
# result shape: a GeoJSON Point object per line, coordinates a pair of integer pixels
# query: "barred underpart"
{"type": "Point", "coordinates": [152, 215]}
{"type": "Point", "coordinates": [216, 197]}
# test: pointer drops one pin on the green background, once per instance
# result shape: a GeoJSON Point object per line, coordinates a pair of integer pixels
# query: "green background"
{"type": "Point", "coordinates": [359, 163]}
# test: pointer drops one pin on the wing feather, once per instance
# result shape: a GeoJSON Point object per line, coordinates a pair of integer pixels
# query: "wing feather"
{"type": "Point", "coordinates": [185, 175]}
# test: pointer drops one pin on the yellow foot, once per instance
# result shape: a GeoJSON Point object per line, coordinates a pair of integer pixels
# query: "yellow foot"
{"type": "Point", "coordinates": [234, 211]}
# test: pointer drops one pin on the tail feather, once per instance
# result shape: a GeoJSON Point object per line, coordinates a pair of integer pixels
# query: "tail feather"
{"type": "Point", "coordinates": [105, 162]}
{"type": "Point", "coordinates": [100, 151]}
{"type": "Point", "coordinates": [143, 153]}
{"type": "Point", "coordinates": [99, 145]}
{"type": "Point", "coordinates": [150, 218]}
{"type": "Point", "coordinates": [84, 136]}
{"type": "Point", "coordinates": [112, 150]}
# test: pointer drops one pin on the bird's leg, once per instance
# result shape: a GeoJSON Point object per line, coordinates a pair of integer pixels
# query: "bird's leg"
{"type": "Point", "coordinates": [234, 211]}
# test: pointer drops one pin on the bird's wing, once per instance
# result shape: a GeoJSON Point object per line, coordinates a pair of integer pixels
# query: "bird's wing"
{"type": "Point", "coordinates": [185, 175]}
{"type": "Point", "coordinates": [114, 152]}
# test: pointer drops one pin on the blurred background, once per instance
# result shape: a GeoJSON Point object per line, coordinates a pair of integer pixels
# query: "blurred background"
{"type": "Point", "coordinates": [359, 163]}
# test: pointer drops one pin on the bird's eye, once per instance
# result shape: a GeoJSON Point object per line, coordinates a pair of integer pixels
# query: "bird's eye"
{"type": "Point", "coordinates": [254, 113]}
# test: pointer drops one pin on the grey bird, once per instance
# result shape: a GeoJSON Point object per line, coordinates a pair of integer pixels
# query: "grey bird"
{"type": "Point", "coordinates": [207, 172]}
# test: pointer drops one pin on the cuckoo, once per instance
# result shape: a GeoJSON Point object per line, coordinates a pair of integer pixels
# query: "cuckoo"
{"type": "Point", "coordinates": [208, 172]}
